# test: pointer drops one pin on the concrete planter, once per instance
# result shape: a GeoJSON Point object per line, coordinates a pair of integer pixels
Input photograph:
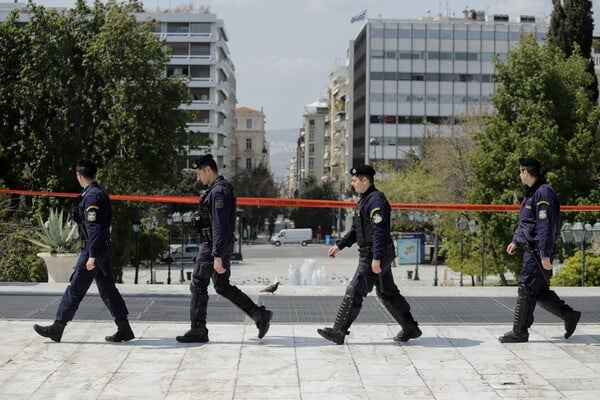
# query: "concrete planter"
{"type": "Point", "coordinates": [59, 265]}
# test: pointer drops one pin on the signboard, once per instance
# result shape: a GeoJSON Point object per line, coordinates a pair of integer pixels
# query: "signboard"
{"type": "Point", "coordinates": [411, 248]}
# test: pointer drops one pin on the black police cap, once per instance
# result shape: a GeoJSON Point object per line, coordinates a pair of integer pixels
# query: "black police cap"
{"type": "Point", "coordinates": [202, 161]}
{"type": "Point", "coordinates": [366, 170]}
{"type": "Point", "coordinates": [530, 162]}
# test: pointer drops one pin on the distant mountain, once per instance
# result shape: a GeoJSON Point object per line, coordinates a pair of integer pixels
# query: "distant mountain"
{"type": "Point", "coordinates": [283, 147]}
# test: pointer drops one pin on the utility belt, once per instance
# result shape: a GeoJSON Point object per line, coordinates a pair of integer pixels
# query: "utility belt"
{"type": "Point", "coordinates": [206, 235]}
{"type": "Point", "coordinates": [85, 242]}
{"type": "Point", "coordinates": [367, 250]}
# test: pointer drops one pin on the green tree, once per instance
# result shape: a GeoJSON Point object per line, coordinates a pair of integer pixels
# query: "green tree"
{"type": "Point", "coordinates": [542, 110]}
{"type": "Point", "coordinates": [571, 30]}
{"type": "Point", "coordinates": [256, 182]}
{"type": "Point", "coordinates": [305, 217]}
{"type": "Point", "coordinates": [89, 82]}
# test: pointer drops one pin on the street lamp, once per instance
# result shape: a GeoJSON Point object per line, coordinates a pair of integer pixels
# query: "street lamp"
{"type": "Point", "coordinates": [151, 223]}
{"type": "Point", "coordinates": [136, 230]}
{"type": "Point", "coordinates": [169, 260]}
{"type": "Point", "coordinates": [374, 142]}
{"type": "Point", "coordinates": [462, 223]}
{"type": "Point", "coordinates": [473, 229]}
{"type": "Point", "coordinates": [238, 256]}
{"type": "Point", "coordinates": [581, 234]}
{"type": "Point", "coordinates": [186, 218]}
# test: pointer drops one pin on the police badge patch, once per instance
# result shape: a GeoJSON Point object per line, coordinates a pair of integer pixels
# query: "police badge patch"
{"type": "Point", "coordinates": [219, 202]}
{"type": "Point", "coordinates": [377, 218]}
{"type": "Point", "coordinates": [543, 214]}
{"type": "Point", "coordinates": [91, 216]}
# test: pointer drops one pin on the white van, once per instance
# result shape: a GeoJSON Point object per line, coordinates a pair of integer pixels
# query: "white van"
{"type": "Point", "coordinates": [190, 251]}
{"type": "Point", "coordinates": [285, 236]}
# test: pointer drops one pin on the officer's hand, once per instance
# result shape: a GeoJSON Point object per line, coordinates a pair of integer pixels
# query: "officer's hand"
{"type": "Point", "coordinates": [90, 264]}
{"type": "Point", "coordinates": [218, 266]}
{"type": "Point", "coordinates": [546, 263]}
{"type": "Point", "coordinates": [376, 266]}
{"type": "Point", "coordinates": [511, 248]}
{"type": "Point", "coordinates": [333, 250]}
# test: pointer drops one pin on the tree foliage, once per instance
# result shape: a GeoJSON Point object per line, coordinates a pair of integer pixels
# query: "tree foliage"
{"type": "Point", "coordinates": [570, 274]}
{"type": "Point", "coordinates": [571, 30]}
{"type": "Point", "coordinates": [87, 83]}
{"type": "Point", "coordinates": [304, 217]}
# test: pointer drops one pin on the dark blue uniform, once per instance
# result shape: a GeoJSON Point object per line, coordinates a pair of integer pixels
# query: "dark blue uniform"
{"type": "Point", "coordinates": [539, 223]}
{"type": "Point", "coordinates": [95, 216]}
{"type": "Point", "coordinates": [537, 231]}
{"type": "Point", "coordinates": [371, 231]}
{"type": "Point", "coordinates": [217, 214]}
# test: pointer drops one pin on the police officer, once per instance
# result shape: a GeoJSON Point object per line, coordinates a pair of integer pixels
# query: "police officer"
{"type": "Point", "coordinates": [371, 231]}
{"type": "Point", "coordinates": [216, 223]}
{"type": "Point", "coordinates": [93, 215]}
{"type": "Point", "coordinates": [537, 230]}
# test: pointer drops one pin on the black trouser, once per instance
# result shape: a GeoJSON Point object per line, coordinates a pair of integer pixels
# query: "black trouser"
{"type": "Point", "coordinates": [80, 282]}
{"type": "Point", "coordinates": [539, 291]}
{"type": "Point", "coordinates": [364, 279]}
{"type": "Point", "coordinates": [201, 276]}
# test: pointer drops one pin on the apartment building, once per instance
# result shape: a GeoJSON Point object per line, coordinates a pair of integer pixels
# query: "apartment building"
{"type": "Point", "coordinates": [252, 149]}
{"type": "Point", "coordinates": [315, 125]}
{"type": "Point", "coordinates": [336, 164]}
{"type": "Point", "coordinates": [198, 45]}
{"type": "Point", "coordinates": [408, 78]}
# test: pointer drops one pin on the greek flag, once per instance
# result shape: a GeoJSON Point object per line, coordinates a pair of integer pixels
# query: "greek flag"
{"type": "Point", "coordinates": [359, 17]}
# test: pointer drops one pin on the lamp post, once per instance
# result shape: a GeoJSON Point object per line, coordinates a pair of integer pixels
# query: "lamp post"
{"type": "Point", "coordinates": [136, 231]}
{"type": "Point", "coordinates": [581, 234]}
{"type": "Point", "coordinates": [473, 229]}
{"type": "Point", "coordinates": [178, 219]}
{"type": "Point", "coordinates": [151, 223]}
{"type": "Point", "coordinates": [374, 142]}
{"type": "Point", "coordinates": [186, 218]}
{"type": "Point", "coordinates": [169, 260]}
{"type": "Point", "coordinates": [461, 224]}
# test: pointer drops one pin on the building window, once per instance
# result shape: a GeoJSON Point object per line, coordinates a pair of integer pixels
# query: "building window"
{"type": "Point", "coordinates": [178, 28]}
{"type": "Point", "coordinates": [248, 164]}
{"type": "Point", "coordinates": [202, 28]}
{"type": "Point", "coordinates": [248, 144]}
{"type": "Point", "coordinates": [199, 49]}
{"type": "Point", "coordinates": [249, 123]}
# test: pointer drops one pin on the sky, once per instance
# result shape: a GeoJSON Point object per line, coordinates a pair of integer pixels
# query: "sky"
{"type": "Point", "coordinates": [284, 50]}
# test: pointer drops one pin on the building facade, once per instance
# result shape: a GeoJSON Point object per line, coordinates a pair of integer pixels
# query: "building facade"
{"type": "Point", "coordinates": [335, 153]}
{"type": "Point", "coordinates": [251, 148]}
{"type": "Point", "coordinates": [197, 42]}
{"type": "Point", "coordinates": [410, 78]}
{"type": "Point", "coordinates": [315, 128]}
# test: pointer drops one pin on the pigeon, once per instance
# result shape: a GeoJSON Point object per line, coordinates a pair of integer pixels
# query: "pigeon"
{"type": "Point", "coordinates": [271, 288]}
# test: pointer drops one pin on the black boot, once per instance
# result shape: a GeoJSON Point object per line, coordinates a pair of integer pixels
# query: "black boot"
{"type": "Point", "coordinates": [519, 333]}
{"type": "Point", "coordinates": [53, 331]}
{"type": "Point", "coordinates": [400, 311]}
{"type": "Point", "coordinates": [571, 320]}
{"type": "Point", "coordinates": [554, 305]}
{"type": "Point", "coordinates": [123, 334]}
{"type": "Point", "coordinates": [262, 317]}
{"type": "Point", "coordinates": [410, 329]}
{"type": "Point", "coordinates": [198, 333]}
{"type": "Point", "coordinates": [347, 313]}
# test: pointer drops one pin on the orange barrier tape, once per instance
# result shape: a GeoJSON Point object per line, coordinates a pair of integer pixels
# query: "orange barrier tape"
{"type": "Point", "coordinates": [282, 202]}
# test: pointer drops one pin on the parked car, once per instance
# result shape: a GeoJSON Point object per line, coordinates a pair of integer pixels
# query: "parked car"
{"type": "Point", "coordinates": [302, 236]}
{"type": "Point", "coordinates": [190, 252]}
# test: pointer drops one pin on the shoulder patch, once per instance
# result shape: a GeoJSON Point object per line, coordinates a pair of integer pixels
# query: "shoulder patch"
{"type": "Point", "coordinates": [543, 202]}
{"type": "Point", "coordinates": [91, 216]}
{"type": "Point", "coordinates": [373, 211]}
{"type": "Point", "coordinates": [377, 218]}
{"type": "Point", "coordinates": [543, 214]}
{"type": "Point", "coordinates": [219, 202]}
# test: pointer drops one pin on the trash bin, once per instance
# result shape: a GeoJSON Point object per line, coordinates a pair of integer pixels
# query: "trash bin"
{"type": "Point", "coordinates": [409, 274]}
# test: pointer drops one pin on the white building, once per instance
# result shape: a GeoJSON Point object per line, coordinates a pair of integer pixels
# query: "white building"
{"type": "Point", "coordinates": [198, 45]}
{"type": "Point", "coordinates": [315, 125]}
{"type": "Point", "coordinates": [408, 77]}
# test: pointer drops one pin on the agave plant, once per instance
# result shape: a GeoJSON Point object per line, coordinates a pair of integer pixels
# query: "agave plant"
{"type": "Point", "coordinates": [56, 235]}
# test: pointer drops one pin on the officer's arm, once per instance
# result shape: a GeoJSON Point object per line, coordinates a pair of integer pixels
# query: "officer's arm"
{"type": "Point", "coordinates": [92, 217]}
{"type": "Point", "coordinates": [545, 235]}
{"type": "Point", "coordinates": [221, 231]}
{"type": "Point", "coordinates": [348, 239]}
{"type": "Point", "coordinates": [379, 217]}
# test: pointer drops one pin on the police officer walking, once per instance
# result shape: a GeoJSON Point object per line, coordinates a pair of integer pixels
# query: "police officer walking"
{"type": "Point", "coordinates": [537, 230]}
{"type": "Point", "coordinates": [371, 231]}
{"type": "Point", "coordinates": [93, 214]}
{"type": "Point", "coordinates": [217, 224]}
